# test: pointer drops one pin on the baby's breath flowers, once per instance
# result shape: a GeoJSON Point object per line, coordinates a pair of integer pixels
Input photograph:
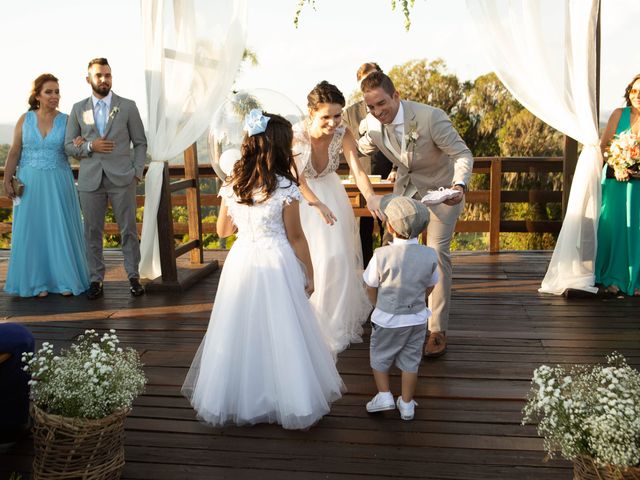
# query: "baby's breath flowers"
{"type": "Point", "coordinates": [588, 410]}
{"type": "Point", "coordinates": [93, 379]}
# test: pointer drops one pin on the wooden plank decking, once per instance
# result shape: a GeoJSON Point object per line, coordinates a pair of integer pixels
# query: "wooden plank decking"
{"type": "Point", "coordinates": [467, 425]}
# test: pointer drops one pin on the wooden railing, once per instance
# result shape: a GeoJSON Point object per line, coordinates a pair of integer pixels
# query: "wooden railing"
{"type": "Point", "coordinates": [495, 167]}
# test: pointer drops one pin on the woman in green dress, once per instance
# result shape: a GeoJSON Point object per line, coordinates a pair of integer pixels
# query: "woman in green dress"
{"type": "Point", "coordinates": [618, 255]}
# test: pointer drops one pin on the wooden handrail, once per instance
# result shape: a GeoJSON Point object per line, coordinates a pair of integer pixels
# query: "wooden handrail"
{"type": "Point", "coordinates": [495, 197]}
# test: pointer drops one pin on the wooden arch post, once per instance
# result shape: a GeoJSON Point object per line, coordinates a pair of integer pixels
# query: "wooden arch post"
{"type": "Point", "coordinates": [174, 278]}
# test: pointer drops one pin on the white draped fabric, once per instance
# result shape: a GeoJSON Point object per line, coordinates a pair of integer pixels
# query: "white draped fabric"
{"type": "Point", "coordinates": [193, 49]}
{"type": "Point", "coordinates": [544, 52]}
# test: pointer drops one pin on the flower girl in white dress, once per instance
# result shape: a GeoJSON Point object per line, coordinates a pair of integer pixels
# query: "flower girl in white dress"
{"type": "Point", "coordinates": [263, 358]}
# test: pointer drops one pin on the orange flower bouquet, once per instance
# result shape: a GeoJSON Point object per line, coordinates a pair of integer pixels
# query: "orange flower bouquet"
{"type": "Point", "coordinates": [623, 155]}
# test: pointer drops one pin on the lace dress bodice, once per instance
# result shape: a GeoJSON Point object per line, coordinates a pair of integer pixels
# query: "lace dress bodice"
{"type": "Point", "coordinates": [335, 147]}
{"type": "Point", "coordinates": [43, 153]}
{"type": "Point", "coordinates": [262, 222]}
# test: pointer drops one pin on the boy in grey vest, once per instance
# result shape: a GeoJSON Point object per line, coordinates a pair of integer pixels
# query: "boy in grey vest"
{"type": "Point", "coordinates": [399, 277]}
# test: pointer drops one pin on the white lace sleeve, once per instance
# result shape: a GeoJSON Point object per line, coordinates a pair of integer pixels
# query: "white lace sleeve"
{"type": "Point", "coordinates": [288, 191]}
{"type": "Point", "coordinates": [301, 146]}
{"type": "Point", "coordinates": [226, 191]}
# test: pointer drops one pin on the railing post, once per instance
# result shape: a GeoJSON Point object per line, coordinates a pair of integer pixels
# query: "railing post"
{"type": "Point", "coordinates": [193, 203]}
{"type": "Point", "coordinates": [569, 162]}
{"type": "Point", "coordinates": [165, 231]}
{"type": "Point", "coordinates": [495, 190]}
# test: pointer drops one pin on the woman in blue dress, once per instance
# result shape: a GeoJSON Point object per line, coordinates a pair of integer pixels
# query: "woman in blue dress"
{"type": "Point", "coordinates": [47, 243]}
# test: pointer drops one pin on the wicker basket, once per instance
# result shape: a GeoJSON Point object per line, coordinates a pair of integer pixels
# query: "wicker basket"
{"type": "Point", "coordinates": [585, 469]}
{"type": "Point", "coordinates": [76, 448]}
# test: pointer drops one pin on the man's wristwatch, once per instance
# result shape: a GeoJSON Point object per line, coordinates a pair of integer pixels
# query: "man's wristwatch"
{"type": "Point", "coordinates": [463, 185]}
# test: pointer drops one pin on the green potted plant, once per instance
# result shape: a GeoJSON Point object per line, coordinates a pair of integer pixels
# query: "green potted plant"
{"type": "Point", "coordinates": [80, 399]}
{"type": "Point", "coordinates": [590, 414]}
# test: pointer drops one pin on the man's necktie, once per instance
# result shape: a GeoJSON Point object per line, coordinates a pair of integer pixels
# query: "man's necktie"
{"type": "Point", "coordinates": [393, 136]}
{"type": "Point", "coordinates": [101, 116]}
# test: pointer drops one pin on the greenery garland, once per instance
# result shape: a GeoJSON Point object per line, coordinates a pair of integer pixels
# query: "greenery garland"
{"type": "Point", "coordinates": [406, 6]}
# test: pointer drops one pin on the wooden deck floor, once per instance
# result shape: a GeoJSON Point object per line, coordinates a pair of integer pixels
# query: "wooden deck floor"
{"type": "Point", "coordinates": [467, 425]}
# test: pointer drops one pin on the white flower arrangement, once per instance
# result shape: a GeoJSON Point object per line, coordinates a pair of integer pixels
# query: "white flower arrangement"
{"type": "Point", "coordinates": [114, 112]}
{"type": "Point", "coordinates": [92, 380]}
{"type": "Point", "coordinates": [588, 410]}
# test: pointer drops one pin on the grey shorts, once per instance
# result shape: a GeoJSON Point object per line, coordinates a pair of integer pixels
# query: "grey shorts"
{"type": "Point", "coordinates": [402, 346]}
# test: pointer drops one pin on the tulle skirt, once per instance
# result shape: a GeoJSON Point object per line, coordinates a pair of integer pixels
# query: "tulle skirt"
{"type": "Point", "coordinates": [263, 358]}
{"type": "Point", "coordinates": [339, 298]}
{"type": "Point", "coordinates": [47, 242]}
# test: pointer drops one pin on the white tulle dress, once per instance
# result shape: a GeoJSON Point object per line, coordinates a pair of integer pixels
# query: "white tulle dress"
{"type": "Point", "coordinates": [339, 298]}
{"type": "Point", "coordinates": [263, 358]}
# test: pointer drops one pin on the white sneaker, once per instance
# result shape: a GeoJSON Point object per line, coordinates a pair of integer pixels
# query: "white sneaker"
{"type": "Point", "coordinates": [406, 409]}
{"type": "Point", "coordinates": [381, 402]}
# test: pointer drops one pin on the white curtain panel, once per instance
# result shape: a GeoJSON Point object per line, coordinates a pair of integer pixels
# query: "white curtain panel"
{"type": "Point", "coordinates": [193, 49]}
{"type": "Point", "coordinates": [544, 52]}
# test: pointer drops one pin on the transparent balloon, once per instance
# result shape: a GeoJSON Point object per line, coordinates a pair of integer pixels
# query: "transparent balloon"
{"type": "Point", "coordinates": [226, 133]}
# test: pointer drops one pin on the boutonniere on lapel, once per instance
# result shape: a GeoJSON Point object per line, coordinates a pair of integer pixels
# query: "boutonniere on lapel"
{"type": "Point", "coordinates": [114, 112]}
{"type": "Point", "coordinates": [412, 135]}
{"type": "Point", "coordinates": [87, 117]}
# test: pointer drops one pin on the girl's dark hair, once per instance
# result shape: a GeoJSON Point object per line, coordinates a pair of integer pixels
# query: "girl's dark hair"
{"type": "Point", "coordinates": [36, 88]}
{"type": "Point", "coordinates": [264, 156]}
{"type": "Point", "coordinates": [627, 90]}
{"type": "Point", "coordinates": [324, 92]}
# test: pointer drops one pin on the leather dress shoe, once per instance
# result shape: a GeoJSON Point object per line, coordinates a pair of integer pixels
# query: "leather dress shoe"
{"type": "Point", "coordinates": [95, 290]}
{"type": "Point", "coordinates": [135, 288]}
{"type": "Point", "coordinates": [436, 344]}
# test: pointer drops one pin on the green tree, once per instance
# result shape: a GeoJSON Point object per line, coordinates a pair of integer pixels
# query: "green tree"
{"type": "Point", "coordinates": [429, 82]}
{"type": "Point", "coordinates": [4, 151]}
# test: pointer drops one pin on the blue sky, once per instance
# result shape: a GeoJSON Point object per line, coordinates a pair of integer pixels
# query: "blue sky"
{"type": "Point", "coordinates": [330, 43]}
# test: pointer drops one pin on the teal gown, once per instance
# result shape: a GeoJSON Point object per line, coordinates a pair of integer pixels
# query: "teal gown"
{"type": "Point", "coordinates": [618, 255]}
{"type": "Point", "coordinates": [47, 243]}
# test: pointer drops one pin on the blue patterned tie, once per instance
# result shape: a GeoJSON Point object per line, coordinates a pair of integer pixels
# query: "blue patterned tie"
{"type": "Point", "coordinates": [101, 116]}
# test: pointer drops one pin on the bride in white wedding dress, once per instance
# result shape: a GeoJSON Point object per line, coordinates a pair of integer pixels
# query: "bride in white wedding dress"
{"type": "Point", "coordinates": [339, 298]}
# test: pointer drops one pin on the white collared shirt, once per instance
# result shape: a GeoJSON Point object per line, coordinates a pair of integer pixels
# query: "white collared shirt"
{"type": "Point", "coordinates": [106, 100]}
{"type": "Point", "coordinates": [398, 123]}
{"type": "Point", "coordinates": [389, 320]}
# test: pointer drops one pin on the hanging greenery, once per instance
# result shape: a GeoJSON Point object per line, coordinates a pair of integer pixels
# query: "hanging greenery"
{"type": "Point", "coordinates": [405, 5]}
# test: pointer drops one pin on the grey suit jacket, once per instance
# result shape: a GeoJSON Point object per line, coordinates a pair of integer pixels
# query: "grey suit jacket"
{"type": "Point", "coordinates": [124, 127]}
{"type": "Point", "coordinates": [438, 157]}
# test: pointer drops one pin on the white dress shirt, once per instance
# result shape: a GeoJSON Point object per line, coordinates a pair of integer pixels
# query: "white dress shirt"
{"type": "Point", "coordinates": [398, 124]}
{"type": "Point", "coordinates": [107, 102]}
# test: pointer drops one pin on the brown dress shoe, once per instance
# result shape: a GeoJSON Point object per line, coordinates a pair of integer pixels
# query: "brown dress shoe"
{"type": "Point", "coordinates": [436, 344]}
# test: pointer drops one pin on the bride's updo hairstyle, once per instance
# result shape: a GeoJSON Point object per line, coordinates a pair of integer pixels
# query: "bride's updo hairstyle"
{"type": "Point", "coordinates": [264, 156]}
{"type": "Point", "coordinates": [324, 92]}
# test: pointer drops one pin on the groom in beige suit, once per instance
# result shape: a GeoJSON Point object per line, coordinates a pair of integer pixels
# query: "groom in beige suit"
{"type": "Point", "coordinates": [109, 170]}
{"type": "Point", "coordinates": [428, 153]}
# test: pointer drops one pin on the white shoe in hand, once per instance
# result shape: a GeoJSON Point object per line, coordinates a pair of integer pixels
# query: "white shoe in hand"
{"type": "Point", "coordinates": [435, 197]}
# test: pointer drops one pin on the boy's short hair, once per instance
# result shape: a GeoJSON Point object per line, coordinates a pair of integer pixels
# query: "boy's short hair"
{"type": "Point", "coordinates": [407, 216]}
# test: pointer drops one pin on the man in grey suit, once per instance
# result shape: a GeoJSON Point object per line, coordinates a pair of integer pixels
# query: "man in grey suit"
{"type": "Point", "coordinates": [108, 170]}
{"type": "Point", "coordinates": [428, 153]}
